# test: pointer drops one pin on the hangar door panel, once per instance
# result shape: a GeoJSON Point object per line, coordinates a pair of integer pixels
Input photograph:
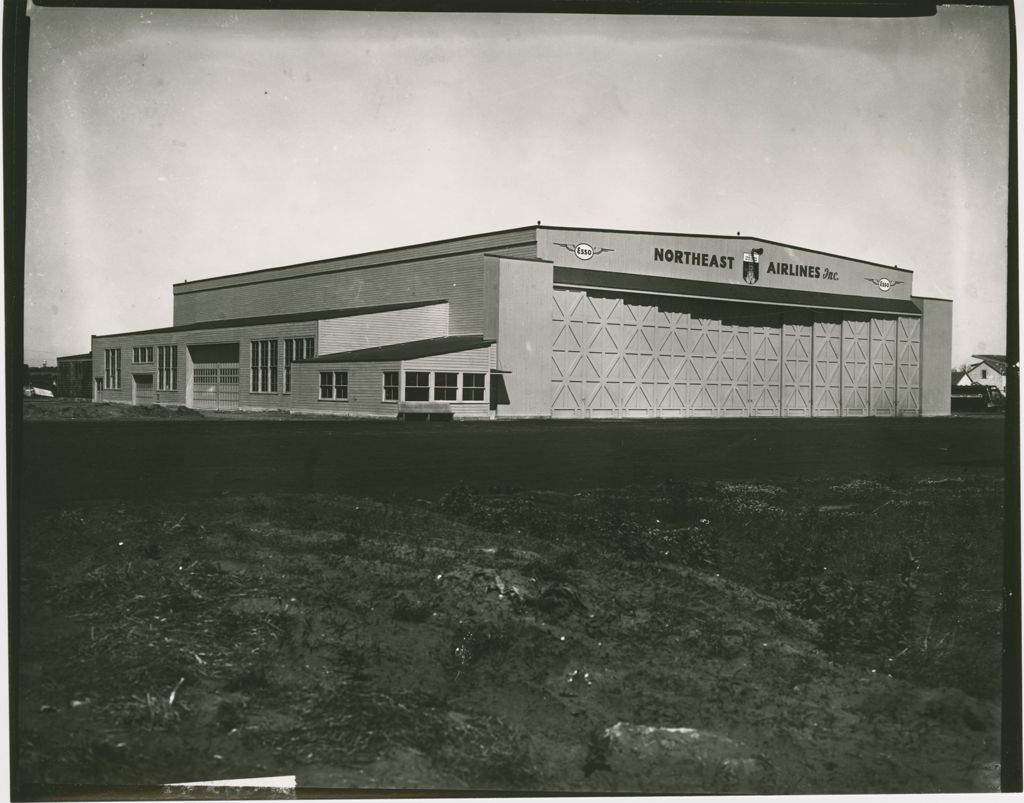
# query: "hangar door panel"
{"type": "Point", "coordinates": [827, 352]}
{"type": "Point", "coordinates": [883, 366]}
{"type": "Point", "coordinates": [765, 366]}
{"type": "Point", "coordinates": [733, 369]}
{"type": "Point", "coordinates": [636, 368]}
{"type": "Point", "coordinates": [567, 354]}
{"type": "Point", "coordinates": [796, 364]}
{"type": "Point", "coordinates": [908, 378]}
{"type": "Point", "coordinates": [603, 336]}
{"type": "Point", "coordinates": [703, 377]}
{"type": "Point", "coordinates": [670, 362]}
{"type": "Point", "coordinates": [854, 375]}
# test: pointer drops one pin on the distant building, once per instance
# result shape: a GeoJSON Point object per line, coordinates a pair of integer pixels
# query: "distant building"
{"type": "Point", "coordinates": [549, 322]}
{"type": "Point", "coordinates": [989, 370]}
{"type": "Point", "coordinates": [74, 376]}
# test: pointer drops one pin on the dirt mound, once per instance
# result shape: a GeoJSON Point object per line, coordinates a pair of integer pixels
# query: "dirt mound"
{"type": "Point", "coordinates": [61, 410]}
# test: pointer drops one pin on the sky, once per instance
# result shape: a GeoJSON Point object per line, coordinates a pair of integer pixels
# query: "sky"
{"type": "Point", "coordinates": [176, 144]}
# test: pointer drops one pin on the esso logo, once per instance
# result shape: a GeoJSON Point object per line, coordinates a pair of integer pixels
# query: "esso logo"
{"type": "Point", "coordinates": [584, 251]}
{"type": "Point", "coordinates": [884, 285]}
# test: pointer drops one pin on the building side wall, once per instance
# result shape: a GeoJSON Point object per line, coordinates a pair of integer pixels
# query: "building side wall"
{"type": "Point", "coordinates": [457, 277]}
{"type": "Point", "coordinates": [242, 336]}
{"type": "Point", "coordinates": [382, 328]}
{"type": "Point", "coordinates": [524, 336]}
{"type": "Point", "coordinates": [936, 354]}
{"type": "Point", "coordinates": [365, 389]}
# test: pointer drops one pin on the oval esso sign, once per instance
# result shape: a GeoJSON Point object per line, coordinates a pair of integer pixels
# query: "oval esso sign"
{"type": "Point", "coordinates": [584, 251]}
{"type": "Point", "coordinates": [884, 285]}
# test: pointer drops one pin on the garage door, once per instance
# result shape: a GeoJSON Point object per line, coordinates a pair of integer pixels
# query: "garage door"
{"type": "Point", "coordinates": [214, 376]}
{"type": "Point", "coordinates": [215, 387]}
{"type": "Point", "coordinates": [142, 389]}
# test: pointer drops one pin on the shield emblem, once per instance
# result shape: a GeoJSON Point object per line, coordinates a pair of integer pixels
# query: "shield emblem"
{"type": "Point", "coordinates": [750, 269]}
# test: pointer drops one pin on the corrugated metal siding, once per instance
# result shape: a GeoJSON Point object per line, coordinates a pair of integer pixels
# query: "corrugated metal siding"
{"type": "Point", "coordinates": [459, 278]}
{"type": "Point", "coordinates": [382, 329]}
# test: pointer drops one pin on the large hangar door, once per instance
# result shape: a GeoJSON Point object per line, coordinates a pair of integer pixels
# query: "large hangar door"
{"type": "Point", "coordinates": [828, 349]}
{"type": "Point", "coordinates": [766, 365]}
{"type": "Point", "coordinates": [908, 370]}
{"type": "Point", "coordinates": [701, 371]}
{"type": "Point", "coordinates": [856, 351]}
{"type": "Point", "coordinates": [733, 369]}
{"type": "Point", "coordinates": [796, 363]}
{"type": "Point", "coordinates": [670, 362]}
{"type": "Point", "coordinates": [883, 366]}
{"type": "Point", "coordinates": [567, 354]}
{"type": "Point", "coordinates": [214, 376]}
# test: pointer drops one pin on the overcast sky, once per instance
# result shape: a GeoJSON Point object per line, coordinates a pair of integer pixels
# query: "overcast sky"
{"type": "Point", "coordinates": [177, 144]}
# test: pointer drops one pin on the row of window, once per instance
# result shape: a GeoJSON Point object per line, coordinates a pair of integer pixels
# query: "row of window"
{"type": "Point", "coordinates": [167, 366]}
{"type": "Point", "coordinates": [419, 386]}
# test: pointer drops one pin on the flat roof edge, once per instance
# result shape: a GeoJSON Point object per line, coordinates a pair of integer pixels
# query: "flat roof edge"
{"type": "Point", "coordinates": [730, 237]}
{"type": "Point", "coordinates": [356, 255]}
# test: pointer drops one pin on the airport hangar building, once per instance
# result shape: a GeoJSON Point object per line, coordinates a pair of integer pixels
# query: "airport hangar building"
{"type": "Point", "coordinates": [544, 321]}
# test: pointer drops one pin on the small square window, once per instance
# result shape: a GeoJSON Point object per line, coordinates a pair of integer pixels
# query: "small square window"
{"type": "Point", "coordinates": [334, 385]}
{"type": "Point", "coordinates": [472, 387]}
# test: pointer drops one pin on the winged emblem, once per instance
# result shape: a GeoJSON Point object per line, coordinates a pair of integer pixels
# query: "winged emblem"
{"type": "Point", "coordinates": [583, 251]}
{"type": "Point", "coordinates": [884, 284]}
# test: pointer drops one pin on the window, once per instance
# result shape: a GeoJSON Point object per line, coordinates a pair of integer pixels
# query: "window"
{"type": "Point", "coordinates": [472, 387]}
{"type": "Point", "coordinates": [417, 386]}
{"type": "Point", "coordinates": [984, 373]}
{"type": "Point", "coordinates": [391, 386]}
{"type": "Point", "coordinates": [298, 348]}
{"type": "Point", "coordinates": [112, 369]}
{"type": "Point", "coordinates": [334, 385]}
{"type": "Point", "coordinates": [142, 354]}
{"type": "Point", "coordinates": [446, 387]}
{"type": "Point", "coordinates": [264, 366]}
{"type": "Point", "coordinates": [167, 367]}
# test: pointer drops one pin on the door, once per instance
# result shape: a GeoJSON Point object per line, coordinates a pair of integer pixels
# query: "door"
{"type": "Point", "coordinates": [142, 389]}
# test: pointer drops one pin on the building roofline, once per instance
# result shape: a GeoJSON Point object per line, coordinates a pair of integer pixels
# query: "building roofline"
{"type": "Point", "coordinates": [354, 256]}
{"type": "Point", "coordinates": [295, 317]}
{"type": "Point", "coordinates": [76, 356]}
{"type": "Point", "coordinates": [729, 237]}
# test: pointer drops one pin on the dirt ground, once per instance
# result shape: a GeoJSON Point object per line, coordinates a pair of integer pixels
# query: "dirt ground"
{"type": "Point", "coordinates": [823, 634]}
